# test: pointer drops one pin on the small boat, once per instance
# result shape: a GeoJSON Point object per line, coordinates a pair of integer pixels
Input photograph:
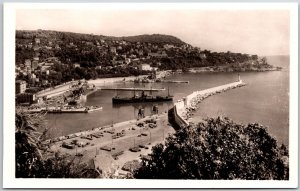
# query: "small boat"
{"type": "Point", "coordinates": [93, 108]}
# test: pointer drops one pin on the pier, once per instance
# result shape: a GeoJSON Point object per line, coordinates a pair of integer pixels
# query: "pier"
{"type": "Point", "coordinates": [176, 81]}
{"type": "Point", "coordinates": [182, 107]}
{"type": "Point", "coordinates": [135, 89]}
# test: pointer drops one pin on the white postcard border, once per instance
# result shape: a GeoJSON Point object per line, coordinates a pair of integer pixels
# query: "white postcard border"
{"type": "Point", "coordinates": [9, 180]}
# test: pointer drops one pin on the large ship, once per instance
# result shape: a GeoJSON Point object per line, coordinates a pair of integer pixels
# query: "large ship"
{"type": "Point", "coordinates": [142, 98]}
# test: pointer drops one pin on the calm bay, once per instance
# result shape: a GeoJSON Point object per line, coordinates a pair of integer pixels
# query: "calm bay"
{"type": "Point", "coordinates": [264, 100]}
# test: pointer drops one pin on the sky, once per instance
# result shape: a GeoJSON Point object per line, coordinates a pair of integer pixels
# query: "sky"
{"type": "Point", "coordinates": [261, 32]}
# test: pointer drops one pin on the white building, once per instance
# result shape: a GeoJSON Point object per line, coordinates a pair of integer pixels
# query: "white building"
{"type": "Point", "coordinates": [20, 86]}
{"type": "Point", "coordinates": [145, 67]}
{"type": "Point", "coordinates": [168, 46]}
{"type": "Point", "coordinates": [113, 50]}
{"type": "Point", "coordinates": [127, 60]}
{"type": "Point", "coordinates": [33, 76]}
{"type": "Point", "coordinates": [37, 41]}
{"type": "Point", "coordinates": [27, 63]}
{"type": "Point", "coordinates": [44, 68]}
{"type": "Point", "coordinates": [76, 65]}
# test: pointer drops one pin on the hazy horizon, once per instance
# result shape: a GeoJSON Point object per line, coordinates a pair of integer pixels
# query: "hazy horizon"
{"type": "Point", "coordinates": [261, 32]}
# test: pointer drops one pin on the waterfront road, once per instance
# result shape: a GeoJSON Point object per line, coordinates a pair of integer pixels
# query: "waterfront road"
{"type": "Point", "coordinates": [55, 91]}
{"type": "Point", "coordinates": [132, 138]}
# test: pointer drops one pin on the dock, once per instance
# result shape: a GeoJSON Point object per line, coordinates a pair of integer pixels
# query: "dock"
{"type": "Point", "coordinates": [64, 110]}
{"type": "Point", "coordinates": [135, 89]}
{"type": "Point", "coordinates": [176, 81]}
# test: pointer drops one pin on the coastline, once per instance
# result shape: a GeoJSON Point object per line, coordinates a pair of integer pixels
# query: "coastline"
{"type": "Point", "coordinates": [160, 76]}
{"type": "Point", "coordinates": [103, 81]}
{"type": "Point", "coordinates": [213, 69]}
{"type": "Point", "coordinates": [124, 143]}
{"type": "Point", "coordinates": [97, 129]}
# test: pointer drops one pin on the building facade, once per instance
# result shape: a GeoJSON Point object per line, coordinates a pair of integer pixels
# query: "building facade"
{"type": "Point", "coordinates": [26, 98]}
{"type": "Point", "coordinates": [20, 86]}
{"type": "Point", "coordinates": [145, 67]}
{"type": "Point", "coordinates": [34, 65]}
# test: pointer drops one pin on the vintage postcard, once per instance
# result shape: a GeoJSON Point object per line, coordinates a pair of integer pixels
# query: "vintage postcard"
{"type": "Point", "coordinates": [150, 95]}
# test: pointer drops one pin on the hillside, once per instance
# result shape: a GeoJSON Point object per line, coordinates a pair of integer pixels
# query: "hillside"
{"type": "Point", "coordinates": [154, 38]}
{"type": "Point", "coordinates": [49, 58]}
{"type": "Point", "coordinates": [56, 35]}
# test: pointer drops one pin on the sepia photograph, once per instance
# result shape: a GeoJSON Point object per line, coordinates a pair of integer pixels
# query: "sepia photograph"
{"type": "Point", "coordinates": [152, 92]}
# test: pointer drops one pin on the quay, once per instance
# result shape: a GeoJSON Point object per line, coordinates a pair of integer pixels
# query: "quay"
{"type": "Point", "coordinates": [135, 89]}
{"type": "Point", "coordinates": [56, 91]}
{"type": "Point", "coordinates": [64, 110]}
{"type": "Point", "coordinates": [182, 108]}
{"type": "Point", "coordinates": [175, 81]}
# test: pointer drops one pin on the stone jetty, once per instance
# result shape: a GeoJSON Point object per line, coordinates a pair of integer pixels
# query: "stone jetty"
{"type": "Point", "coordinates": [183, 107]}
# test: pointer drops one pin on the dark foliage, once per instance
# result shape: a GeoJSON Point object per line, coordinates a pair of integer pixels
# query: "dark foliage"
{"type": "Point", "coordinates": [93, 54]}
{"type": "Point", "coordinates": [218, 149]}
{"type": "Point", "coordinates": [154, 38]}
{"type": "Point", "coordinates": [31, 158]}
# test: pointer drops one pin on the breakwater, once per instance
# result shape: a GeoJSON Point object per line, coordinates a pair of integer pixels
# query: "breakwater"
{"type": "Point", "coordinates": [182, 108]}
{"type": "Point", "coordinates": [83, 97]}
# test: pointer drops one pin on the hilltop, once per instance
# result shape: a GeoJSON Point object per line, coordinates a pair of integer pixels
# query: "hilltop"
{"type": "Point", "coordinates": [153, 38]}
{"type": "Point", "coordinates": [57, 35]}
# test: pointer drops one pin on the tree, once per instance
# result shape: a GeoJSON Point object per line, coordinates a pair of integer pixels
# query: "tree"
{"type": "Point", "coordinates": [217, 149]}
{"type": "Point", "coordinates": [28, 155]}
{"type": "Point", "coordinates": [263, 61]}
{"type": "Point", "coordinates": [31, 158]}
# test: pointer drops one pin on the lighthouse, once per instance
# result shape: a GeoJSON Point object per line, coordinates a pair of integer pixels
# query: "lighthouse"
{"type": "Point", "coordinates": [239, 77]}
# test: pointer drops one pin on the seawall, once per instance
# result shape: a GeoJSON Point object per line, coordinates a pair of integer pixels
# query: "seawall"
{"type": "Point", "coordinates": [62, 88]}
{"type": "Point", "coordinates": [183, 106]}
{"type": "Point", "coordinates": [52, 88]}
{"type": "Point", "coordinates": [102, 81]}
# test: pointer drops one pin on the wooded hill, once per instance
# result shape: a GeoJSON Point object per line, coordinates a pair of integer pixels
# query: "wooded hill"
{"type": "Point", "coordinates": [101, 56]}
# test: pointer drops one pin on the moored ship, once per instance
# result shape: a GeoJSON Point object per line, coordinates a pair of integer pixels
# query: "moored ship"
{"type": "Point", "coordinates": [142, 98]}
